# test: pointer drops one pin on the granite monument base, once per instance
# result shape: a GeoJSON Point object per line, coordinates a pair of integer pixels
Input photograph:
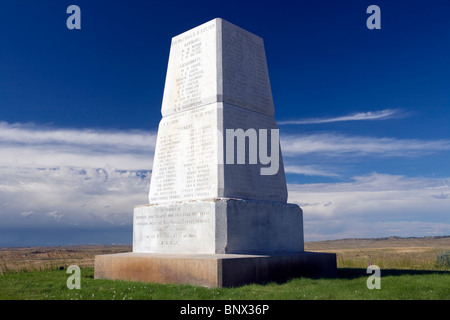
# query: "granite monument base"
{"type": "Point", "coordinates": [218, 226]}
{"type": "Point", "coordinates": [213, 270]}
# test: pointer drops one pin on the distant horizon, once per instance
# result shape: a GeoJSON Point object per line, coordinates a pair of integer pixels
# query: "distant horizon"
{"type": "Point", "coordinates": [127, 233]}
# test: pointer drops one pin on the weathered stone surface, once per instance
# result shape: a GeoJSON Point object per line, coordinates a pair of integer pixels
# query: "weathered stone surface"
{"type": "Point", "coordinates": [218, 183]}
{"type": "Point", "coordinates": [217, 79]}
{"type": "Point", "coordinates": [218, 226]}
{"type": "Point", "coordinates": [217, 62]}
{"type": "Point", "coordinates": [222, 270]}
{"type": "Point", "coordinates": [190, 158]}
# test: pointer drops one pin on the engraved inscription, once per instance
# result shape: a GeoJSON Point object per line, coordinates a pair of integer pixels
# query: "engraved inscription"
{"type": "Point", "coordinates": [193, 79]}
{"type": "Point", "coordinates": [172, 226]}
{"type": "Point", "coordinates": [191, 73]}
{"type": "Point", "coordinates": [185, 158]}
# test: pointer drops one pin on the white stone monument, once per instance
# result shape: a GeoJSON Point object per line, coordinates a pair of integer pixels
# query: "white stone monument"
{"type": "Point", "coordinates": [218, 195]}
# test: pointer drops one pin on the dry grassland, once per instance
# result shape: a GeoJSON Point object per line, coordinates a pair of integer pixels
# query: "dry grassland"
{"type": "Point", "coordinates": [387, 253]}
{"type": "Point", "coordinates": [44, 258]}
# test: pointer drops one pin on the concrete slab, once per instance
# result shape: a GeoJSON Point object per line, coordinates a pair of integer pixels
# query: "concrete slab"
{"type": "Point", "coordinates": [213, 270]}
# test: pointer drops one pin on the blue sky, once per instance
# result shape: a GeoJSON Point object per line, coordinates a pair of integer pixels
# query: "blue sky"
{"type": "Point", "coordinates": [364, 115]}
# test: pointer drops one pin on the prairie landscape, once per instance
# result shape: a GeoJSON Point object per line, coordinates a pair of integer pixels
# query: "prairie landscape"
{"type": "Point", "coordinates": [22, 259]}
{"type": "Point", "coordinates": [409, 271]}
{"type": "Point", "coordinates": [388, 253]}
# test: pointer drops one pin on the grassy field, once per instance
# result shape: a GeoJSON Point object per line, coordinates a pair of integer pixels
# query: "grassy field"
{"type": "Point", "coordinates": [408, 272]}
{"type": "Point", "coordinates": [349, 285]}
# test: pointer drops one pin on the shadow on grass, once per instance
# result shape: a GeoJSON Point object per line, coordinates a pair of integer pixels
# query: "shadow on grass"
{"type": "Point", "coordinates": [353, 273]}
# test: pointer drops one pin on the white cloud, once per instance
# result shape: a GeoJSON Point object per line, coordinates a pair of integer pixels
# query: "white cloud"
{"type": "Point", "coordinates": [34, 135]}
{"type": "Point", "coordinates": [330, 145]}
{"type": "Point", "coordinates": [309, 170]}
{"type": "Point", "coordinates": [360, 116]}
{"type": "Point", "coordinates": [69, 196]}
{"type": "Point", "coordinates": [27, 214]}
{"type": "Point", "coordinates": [39, 147]}
{"type": "Point", "coordinates": [374, 205]}
{"type": "Point", "coordinates": [61, 177]}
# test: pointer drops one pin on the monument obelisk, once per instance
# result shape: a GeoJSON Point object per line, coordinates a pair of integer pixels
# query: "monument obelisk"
{"type": "Point", "coordinates": [218, 195]}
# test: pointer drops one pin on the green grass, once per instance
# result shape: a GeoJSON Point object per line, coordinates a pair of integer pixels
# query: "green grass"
{"type": "Point", "coordinates": [350, 284]}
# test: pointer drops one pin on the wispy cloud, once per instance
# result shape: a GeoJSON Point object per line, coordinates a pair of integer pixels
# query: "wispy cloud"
{"type": "Point", "coordinates": [33, 134]}
{"type": "Point", "coordinates": [28, 145]}
{"type": "Point", "coordinates": [309, 170]}
{"type": "Point", "coordinates": [330, 145]}
{"type": "Point", "coordinates": [360, 116]}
